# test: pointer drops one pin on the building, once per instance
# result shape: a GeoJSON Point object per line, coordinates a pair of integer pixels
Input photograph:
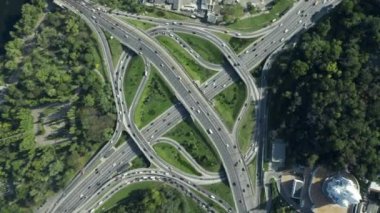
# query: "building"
{"type": "Point", "coordinates": [297, 186]}
{"type": "Point", "coordinates": [213, 18]}
{"type": "Point", "coordinates": [176, 4]}
{"type": "Point", "coordinates": [278, 154]}
{"type": "Point", "coordinates": [341, 191]}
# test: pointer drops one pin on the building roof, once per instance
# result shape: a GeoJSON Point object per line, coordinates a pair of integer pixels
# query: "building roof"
{"type": "Point", "coordinates": [278, 151]}
{"type": "Point", "coordinates": [341, 190]}
{"type": "Point", "coordinates": [176, 4]}
{"type": "Point", "coordinates": [297, 188]}
{"type": "Point", "coordinates": [374, 186]}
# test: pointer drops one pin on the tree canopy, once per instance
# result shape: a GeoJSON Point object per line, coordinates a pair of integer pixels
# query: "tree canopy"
{"type": "Point", "coordinates": [325, 93]}
{"type": "Point", "coordinates": [56, 64]}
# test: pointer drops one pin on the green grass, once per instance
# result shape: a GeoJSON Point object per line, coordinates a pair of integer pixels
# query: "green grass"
{"type": "Point", "coordinates": [158, 13]}
{"type": "Point", "coordinates": [225, 37]}
{"type": "Point", "coordinates": [229, 102]}
{"type": "Point", "coordinates": [154, 100]}
{"type": "Point", "coordinates": [97, 53]}
{"type": "Point", "coordinates": [197, 144]}
{"type": "Point", "coordinates": [246, 128]}
{"type": "Point", "coordinates": [263, 202]}
{"type": "Point", "coordinates": [260, 21]}
{"type": "Point", "coordinates": [266, 166]}
{"type": "Point", "coordinates": [195, 71]}
{"type": "Point", "coordinates": [205, 48]}
{"type": "Point", "coordinates": [210, 202]}
{"type": "Point", "coordinates": [237, 44]}
{"type": "Point", "coordinates": [132, 78]}
{"type": "Point", "coordinates": [252, 170]}
{"type": "Point", "coordinates": [171, 155]}
{"type": "Point", "coordinates": [115, 46]}
{"type": "Point", "coordinates": [222, 190]}
{"type": "Point", "coordinates": [139, 162]}
{"type": "Point", "coordinates": [124, 193]}
{"type": "Point", "coordinates": [139, 24]}
{"type": "Point", "coordinates": [123, 138]}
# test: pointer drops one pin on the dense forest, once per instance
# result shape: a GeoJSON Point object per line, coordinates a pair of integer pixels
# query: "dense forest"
{"type": "Point", "coordinates": [157, 199]}
{"type": "Point", "coordinates": [52, 59]}
{"type": "Point", "coordinates": [325, 92]}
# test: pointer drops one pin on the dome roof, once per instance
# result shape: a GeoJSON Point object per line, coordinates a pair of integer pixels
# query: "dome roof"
{"type": "Point", "coordinates": [341, 191]}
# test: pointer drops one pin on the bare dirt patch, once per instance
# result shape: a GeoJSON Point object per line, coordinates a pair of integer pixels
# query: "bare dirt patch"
{"type": "Point", "coordinates": [49, 123]}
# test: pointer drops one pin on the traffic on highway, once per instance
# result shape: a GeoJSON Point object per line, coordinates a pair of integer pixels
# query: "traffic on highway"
{"type": "Point", "coordinates": [106, 173]}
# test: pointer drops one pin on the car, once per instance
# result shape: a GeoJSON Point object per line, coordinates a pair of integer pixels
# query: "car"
{"type": "Point", "coordinates": [286, 30]}
{"type": "Point", "coordinates": [210, 131]}
{"type": "Point", "coordinates": [162, 65]}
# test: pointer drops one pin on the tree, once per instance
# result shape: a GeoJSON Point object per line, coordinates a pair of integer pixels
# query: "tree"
{"type": "Point", "coordinates": [232, 12]}
{"type": "Point", "coordinates": [329, 92]}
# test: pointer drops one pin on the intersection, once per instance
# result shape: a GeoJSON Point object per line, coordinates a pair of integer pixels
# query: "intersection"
{"type": "Point", "coordinates": [81, 193]}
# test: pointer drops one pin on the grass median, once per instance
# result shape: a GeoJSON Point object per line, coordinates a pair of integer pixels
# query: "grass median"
{"type": "Point", "coordinates": [222, 190]}
{"type": "Point", "coordinates": [260, 21]}
{"type": "Point", "coordinates": [193, 69]}
{"type": "Point", "coordinates": [246, 128]}
{"type": "Point", "coordinates": [132, 78]}
{"type": "Point", "coordinates": [252, 170]}
{"type": "Point", "coordinates": [155, 99]}
{"type": "Point", "coordinates": [171, 155]}
{"type": "Point", "coordinates": [158, 13]}
{"type": "Point", "coordinates": [205, 48]}
{"type": "Point", "coordinates": [237, 44]}
{"type": "Point", "coordinates": [197, 144]}
{"type": "Point", "coordinates": [139, 161]}
{"type": "Point", "coordinates": [142, 25]}
{"type": "Point", "coordinates": [229, 102]}
{"type": "Point", "coordinates": [115, 47]}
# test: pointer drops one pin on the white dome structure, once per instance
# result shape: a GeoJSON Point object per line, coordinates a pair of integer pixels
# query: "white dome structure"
{"type": "Point", "coordinates": [341, 191]}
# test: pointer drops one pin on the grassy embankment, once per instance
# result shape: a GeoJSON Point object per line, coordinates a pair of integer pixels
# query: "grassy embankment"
{"type": "Point", "coordinates": [260, 21]}
{"type": "Point", "coordinates": [171, 155]}
{"type": "Point", "coordinates": [229, 102]}
{"type": "Point", "coordinates": [155, 99]}
{"type": "Point", "coordinates": [197, 144]}
{"type": "Point", "coordinates": [193, 69]}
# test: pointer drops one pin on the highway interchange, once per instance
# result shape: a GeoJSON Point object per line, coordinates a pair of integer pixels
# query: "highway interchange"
{"type": "Point", "coordinates": [194, 102]}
